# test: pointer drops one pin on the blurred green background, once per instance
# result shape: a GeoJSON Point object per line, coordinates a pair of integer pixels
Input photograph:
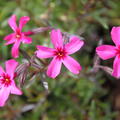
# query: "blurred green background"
{"type": "Point", "coordinates": [87, 96]}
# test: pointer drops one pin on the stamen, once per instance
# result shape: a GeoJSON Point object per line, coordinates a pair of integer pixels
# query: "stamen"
{"type": "Point", "coordinates": [17, 36]}
{"type": "Point", "coordinates": [5, 79]}
{"type": "Point", "coordinates": [60, 53]}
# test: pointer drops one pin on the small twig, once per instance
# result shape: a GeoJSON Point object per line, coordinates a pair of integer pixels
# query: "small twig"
{"type": "Point", "coordinates": [25, 54]}
{"type": "Point", "coordinates": [96, 60]}
{"type": "Point", "coordinates": [19, 69]}
{"type": "Point", "coordinates": [40, 60]}
{"type": "Point", "coordinates": [27, 108]}
{"type": "Point", "coordinates": [44, 83]}
{"type": "Point", "coordinates": [106, 69]}
{"type": "Point", "coordinates": [32, 80]}
{"type": "Point", "coordinates": [38, 30]}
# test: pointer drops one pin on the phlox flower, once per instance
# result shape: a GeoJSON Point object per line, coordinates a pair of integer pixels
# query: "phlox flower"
{"type": "Point", "coordinates": [18, 36]}
{"type": "Point", "coordinates": [60, 53]}
{"type": "Point", "coordinates": [7, 84]}
{"type": "Point", "coordinates": [109, 51]}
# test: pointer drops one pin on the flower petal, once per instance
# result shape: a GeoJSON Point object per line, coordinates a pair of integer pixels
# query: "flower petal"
{"type": "Point", "coordinates": [115, 34]}
{"type": "Point", "coordinates": [106, 51]}
{"type": "Point", "coordinates": [74, 45]}
{"type": "Point", "coordinates": [23, 21]}
{"type": "Point", "coordinates": [12, 22]}
{"type": "Point", "coordinates": [1, 70]}
{"type": "Point", "coordinates": [72, 65]}
{"type": "Point", "coordinates": [54, 67]}
{"type": "Point", "coordinates": [44, 52]}
{"type": "Point", "coordinates": [26, 40]}
{"type": "Point", "coordinates": [10, 67]}
{"type": "Point", "coordinates": [4, 94]}
{"type": "Point", "coordinates": [116, 67]}
{"type": "Point", "coordinates": [15, 49]}
{"type": "Point", "coordinates": [15, 90]}
{"type": "Point", "coordinates": [56, 38]}
{"type": "Point", "coordinates": [10, 39]}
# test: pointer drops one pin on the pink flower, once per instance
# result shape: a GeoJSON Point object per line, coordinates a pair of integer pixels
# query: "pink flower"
{"type": "Point", "coordinates": [60, 54]}
{"type": "Point", "coordinates": [18, 36]}
{"type": "Point", "coordinates": [7, 84]}
{"type": "Point", "coordinates": [109, 51]}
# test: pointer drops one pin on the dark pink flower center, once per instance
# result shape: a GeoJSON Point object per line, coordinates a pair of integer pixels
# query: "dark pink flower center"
{"type": "Point", "coordinates": [18, 34]}
{"type": "Point", "coordinates": [5, 79]}
{"type": "Point", "coordinates": [60, 53]}
{"type": "Point", "coordinates": [118, 51]}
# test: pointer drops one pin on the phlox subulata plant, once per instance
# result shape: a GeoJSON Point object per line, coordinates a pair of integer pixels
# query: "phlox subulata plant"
{"type": "Point", "coordinates": [64, 44]}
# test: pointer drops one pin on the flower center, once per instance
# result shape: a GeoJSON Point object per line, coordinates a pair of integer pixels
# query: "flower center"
{"type": "Point", "coordinates": [17, 36]}
{"type": "Point", "coordinates": [118, 50]}
{"type": "Point", "coordinates": [60, 53]}
{"type": "Point", "coordinates": [5, 79]}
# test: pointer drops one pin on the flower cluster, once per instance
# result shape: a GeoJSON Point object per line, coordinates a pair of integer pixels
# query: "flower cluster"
{"type": "Point", "coordinates": [60, 53]}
